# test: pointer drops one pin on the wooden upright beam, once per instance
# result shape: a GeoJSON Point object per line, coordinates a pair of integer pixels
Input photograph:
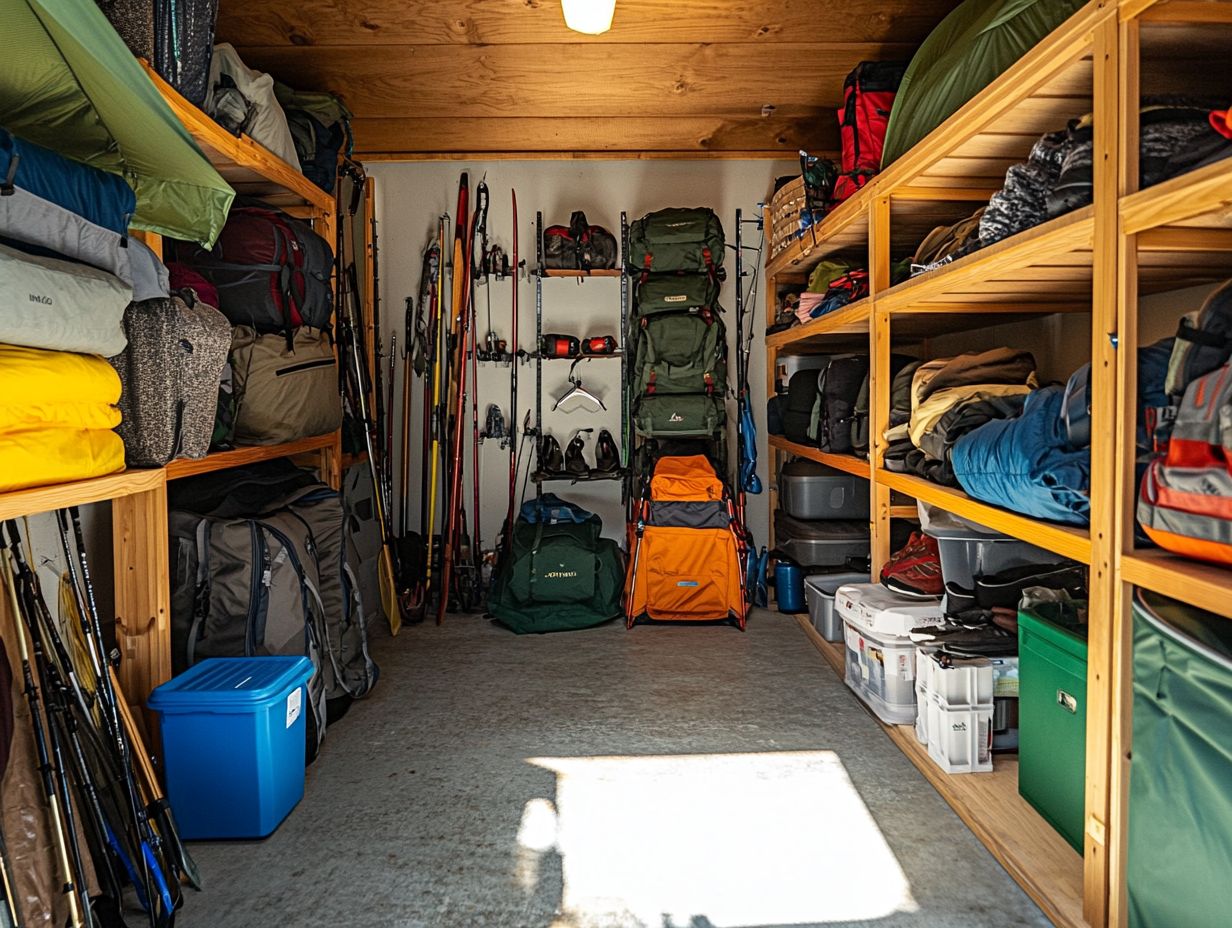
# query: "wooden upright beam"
{"type": "Point", "coordinates": [140, 540]}
{"type": "Point", "coordinates": [1126, 485]}
{"type": "Point", "coordinates": [878, 378]}
{"type": "Point", "coordinates": [1104, 428]}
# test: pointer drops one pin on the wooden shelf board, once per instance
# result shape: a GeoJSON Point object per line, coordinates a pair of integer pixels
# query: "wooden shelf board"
{"type": "Point", "coordinates": [841, 325]}
{"type": "Point", "coordinates": [1064, 540]}
{"type": "Point", "coordinates": [1034, 854]}
{"type": "Point", "coordinates": [904, 512]}
{"type": "Point", "coordinates": [1207, 586]}
{"type": "Point", "coordinates": [844, 462]}
{"type": "Point", "coordinates": [1053, 258]}
{"type": "Point", "coordinates": [598, 272]}
{"type": "Point", "coordinates": [26, 502]}
{"type": "Point", "coordinates": [1201, 199]}
{"type": "Point", "coordinates": [237, 457]}
{"type": "Point", "coordinates": [250, 168]}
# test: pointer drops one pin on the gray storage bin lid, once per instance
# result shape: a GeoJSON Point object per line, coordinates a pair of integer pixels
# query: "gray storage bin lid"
{"type": "Point", "coordinates": [805, 467]}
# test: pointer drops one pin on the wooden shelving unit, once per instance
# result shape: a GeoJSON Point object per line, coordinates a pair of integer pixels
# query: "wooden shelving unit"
{"type": "Point", "coordinates": [1049, 870]}
{"type": "Point", "coordinates": [844, 462]}
{"type": "Point", "coordinates": [139, 497]}
{"type": "Point", "coordinates": [1094, 263]}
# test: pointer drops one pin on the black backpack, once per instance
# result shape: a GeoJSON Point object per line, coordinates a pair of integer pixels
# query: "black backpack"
{"type": "Point", "coordinates": [797, 406]}
{"type": "Point", "coordinates": [838, 386]}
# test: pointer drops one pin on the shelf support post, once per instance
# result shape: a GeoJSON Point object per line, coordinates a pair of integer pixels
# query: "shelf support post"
{"type": "Point", "coordinates": [1125, 486]}
{"type": "Point", "coordinates": [879, 379]}
{"type": "Point", "coordinates": [140, 541]}
{"type": "Point", "coordinates": [1104, 430]}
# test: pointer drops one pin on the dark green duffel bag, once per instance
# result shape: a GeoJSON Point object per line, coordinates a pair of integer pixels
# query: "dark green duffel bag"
{"type": "Point", "coordinates": [677, 239]}
{"type": "Point", "coordinates": [1180, 804]}
{"type": "Point", "coordinates": [558, 574]}
{"type": "Point", "coordinates": [673, 293]}
{"type": "Point", "coordinates": [691, 415]}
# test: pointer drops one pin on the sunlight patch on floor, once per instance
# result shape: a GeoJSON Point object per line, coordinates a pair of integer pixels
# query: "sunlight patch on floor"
{"type": "Point", "coordinates": [722, 840]}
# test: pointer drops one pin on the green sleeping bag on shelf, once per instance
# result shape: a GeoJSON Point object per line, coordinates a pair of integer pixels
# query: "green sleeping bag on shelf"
{"type": "Point", "coordinates": [973, 45]}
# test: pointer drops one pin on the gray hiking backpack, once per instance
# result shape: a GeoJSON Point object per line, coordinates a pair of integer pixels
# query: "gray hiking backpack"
{"type": "Point", "coordinates": [258, 567]}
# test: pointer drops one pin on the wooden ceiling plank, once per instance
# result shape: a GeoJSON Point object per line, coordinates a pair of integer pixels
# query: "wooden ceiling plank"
{"type": "Point", "coordinates": [526, 80]}
{"type": "Point", "coordinates": [534, 22]}
{"type": "Point", "coordinates": [651, 133]}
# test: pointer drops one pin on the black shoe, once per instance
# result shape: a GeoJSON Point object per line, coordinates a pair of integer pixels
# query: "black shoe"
{"type": "Point", "coordinates": [607, 454]}
{"type": "Point", "coordinates": [575, 459]}
{"type": "Point", "coordinates": [551, 461]}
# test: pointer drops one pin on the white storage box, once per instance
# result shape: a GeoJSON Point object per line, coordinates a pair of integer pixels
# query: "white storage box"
{"type": "Point", "coordinates": [881, 671]}
{"type": "Point", "coordinates": [959, 737]}
{"type": "Point", "coordinates": [819, 590]}
{"type": "Point", "coordinates": [874, 609]}
{"type": "Point", "coordinates": [966, 682]}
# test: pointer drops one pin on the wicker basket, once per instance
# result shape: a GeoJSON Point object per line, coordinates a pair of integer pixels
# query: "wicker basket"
{"type": "Point", "coordinates": [788, 219]}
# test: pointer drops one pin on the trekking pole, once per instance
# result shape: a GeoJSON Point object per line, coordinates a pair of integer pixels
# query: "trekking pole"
{"type": "Point", "coordinates": [72, 888]}
{"type": "Point", "coordinates": [385, 568]}
{"type": "Point", "coordinates": [404, 476]}
{"type": "Point", "coordinates": [437, 426]}
{"type": "Point", "coordinates": [513, 382]}
{"type": "Point", "coordinates": [454, 503]}
{"type": "Point", "coordinates": [116, 712]}
{"type": "Point", "coordinates": [476, 444]}
{"type": "Point", "coordinates": [11, 909]}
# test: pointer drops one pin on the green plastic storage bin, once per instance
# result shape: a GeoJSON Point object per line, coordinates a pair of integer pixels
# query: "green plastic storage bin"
{"type": "Point", "coordinates": [1179, 870]}
{"type": "Point", "coordinates": [1052, 715]}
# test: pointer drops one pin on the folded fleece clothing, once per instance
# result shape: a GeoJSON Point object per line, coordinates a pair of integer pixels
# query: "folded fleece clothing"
{"type": "Point", "coordinates": [41, 389]}
{"type": "Point", "coordinates": [1025, 465]}
{"type": "Point", "coordinates": [38, 457]}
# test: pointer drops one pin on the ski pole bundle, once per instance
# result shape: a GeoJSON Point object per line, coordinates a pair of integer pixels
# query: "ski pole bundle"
{"type": "Point", "coordinates": [106, 821]}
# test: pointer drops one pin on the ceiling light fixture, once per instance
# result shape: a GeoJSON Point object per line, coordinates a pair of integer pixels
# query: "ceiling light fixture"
{"type": "Point", "coordinates": [591, 17]}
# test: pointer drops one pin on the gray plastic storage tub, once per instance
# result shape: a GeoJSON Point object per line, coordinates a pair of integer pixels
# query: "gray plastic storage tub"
{"type": "Point", "coordinates": [967, 553]}
{"type": "Point", "coordinates": [819, 590]}
{"type": "Point", "coordinates": [823, 543]}
{"type": "Point", "coordinates": [809, 490]}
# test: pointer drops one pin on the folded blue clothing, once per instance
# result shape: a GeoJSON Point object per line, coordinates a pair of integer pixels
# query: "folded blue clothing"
{"type": "Point", "coordinates": [100, 197]}
{"type": "Point", "coordinates": [1025, 464]}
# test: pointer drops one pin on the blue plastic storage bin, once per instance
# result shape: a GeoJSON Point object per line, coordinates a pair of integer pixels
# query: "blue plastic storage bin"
{"type": "Point", "coordinates": [234, 744]}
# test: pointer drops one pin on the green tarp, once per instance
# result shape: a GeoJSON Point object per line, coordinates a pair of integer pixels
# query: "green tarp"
{"type": "Point", "coordinates": [972, 46]}
{"type": "Point", "coordinates": [69, 83]}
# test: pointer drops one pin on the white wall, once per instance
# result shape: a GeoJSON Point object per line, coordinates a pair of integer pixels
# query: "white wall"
{"type": "Point", "coordinates": [411, 196]}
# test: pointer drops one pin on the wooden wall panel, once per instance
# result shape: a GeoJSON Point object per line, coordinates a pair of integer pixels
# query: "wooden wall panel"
{"type": "Point", "coordinates": [638, 134]}
{"type": "Point", "coordinates": [484, 22]}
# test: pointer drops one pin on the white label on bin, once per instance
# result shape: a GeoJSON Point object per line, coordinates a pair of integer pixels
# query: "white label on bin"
{"type": "Point", "coordinates": [295, 704]}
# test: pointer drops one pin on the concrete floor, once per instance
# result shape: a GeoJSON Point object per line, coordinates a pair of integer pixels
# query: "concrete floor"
{"type": "Point", "coordinates": [681, 778]}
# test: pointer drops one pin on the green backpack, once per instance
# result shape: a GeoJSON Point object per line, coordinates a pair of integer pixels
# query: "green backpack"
{"type": "Point", "coordinates": [673, 293]}
{"type": "Point", "coordinates": [558, 574]}
{"type": "Point", "coordinates": [679, 415]}
{"type": "Point", "coordinates": [676, 239]}
{"type": "Point", "coordinates": [680, 353]}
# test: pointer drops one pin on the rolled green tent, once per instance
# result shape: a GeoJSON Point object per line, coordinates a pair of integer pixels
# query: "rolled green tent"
{"type": "Point", "coordinates": [70, 83]}
{"type": "Point", "coordinates": [969, 49]}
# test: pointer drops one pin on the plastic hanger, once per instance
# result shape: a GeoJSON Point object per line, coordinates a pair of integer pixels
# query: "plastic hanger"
{"type": "Point", "coordinates": [578, 391]}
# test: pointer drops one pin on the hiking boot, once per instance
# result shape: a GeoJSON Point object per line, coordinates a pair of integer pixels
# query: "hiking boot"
{"type": "Point", "coordinates": [915, 569]}
{"type": "Point", "coordinates": [607, 454]}
{"type": "Point", "coordinates": [575, 458]}
{"type": "Point", "coordinates": [551, 461]}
